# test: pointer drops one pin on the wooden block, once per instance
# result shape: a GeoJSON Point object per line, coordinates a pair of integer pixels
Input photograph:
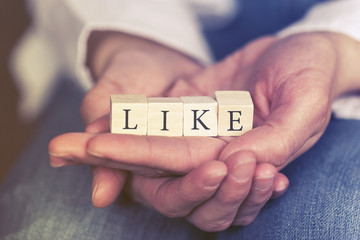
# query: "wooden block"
{"type": "Point", "coordinates": [200, 116]}
{"type": "Point", "coordinates": [128, 114]}
{"type": "Point", "coordinates": [165, 116]}
{"type": "Point", "coordinates": [236, 111]}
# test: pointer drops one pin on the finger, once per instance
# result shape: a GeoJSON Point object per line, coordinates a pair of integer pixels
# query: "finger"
{"type": "Point", "coordinates": [218, 213]}
{"type": "Point", "coordinates": [107, 185]}
{"type": "Point", "coordinates": [281, 183]}
{"type": "Point", "coordinates": [176, 197]}
{"type": "Point", "coordinates": [261, 191]}
{"type": "Point", "coordinates": [96, 102]}
{"type": "Point", "coordinates": [218, 76]}
{"type": "Point", "coordinates": [69, 146]}
{"type": "Point", "coordinates": [177, 154]}
{"type": "Point", "coordinates": [183, 87]}
{"type": "Point", "coordinates": [221, 76]}
{"type": "Point", "coordinates": [66, 149]}
{"type": "Point", "coordinates": [100, 125]}
{"type": "Point", "coordinates": [71, 149]}
{"type": "Point", "coordinates": [145, 155]}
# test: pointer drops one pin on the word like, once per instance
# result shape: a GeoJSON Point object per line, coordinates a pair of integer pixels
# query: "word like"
{"type": "Point", "coordinates": [231, 114]}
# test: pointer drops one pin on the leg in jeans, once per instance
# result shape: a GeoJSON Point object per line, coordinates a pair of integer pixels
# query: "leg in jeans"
{"type": "Point", "coordinates": [323, 199]}
{"type": "Point", "coordinates": [39, 202]}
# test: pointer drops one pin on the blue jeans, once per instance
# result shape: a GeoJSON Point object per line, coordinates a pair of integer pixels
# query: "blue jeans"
{"type": "Point", "coordinates": [39, 202]}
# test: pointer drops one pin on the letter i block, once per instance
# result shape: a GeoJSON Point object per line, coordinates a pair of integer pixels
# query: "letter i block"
{"type": "Point", "coordinates": [165, 116]}
{"type": "Point", "coordinates": [200, 116]}
{"type": "Point", "coordinates": [128, 114]}
{"type": "Point", "coordinates": [236, 111]}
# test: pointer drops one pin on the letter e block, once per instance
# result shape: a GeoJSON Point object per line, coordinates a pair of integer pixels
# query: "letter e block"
{"type": "Point", "coordinates": [200, 116]}
{"type": "Point", "coordinates": [128, 114]}
{"type": "Point", "coordinates": [165, 116]}
{"type": "Point", "coordinates": [236, 111]}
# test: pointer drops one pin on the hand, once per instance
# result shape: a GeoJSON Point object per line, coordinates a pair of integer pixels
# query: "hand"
{"type": "Point", "coordinates": [123, 64]}
{"type": "Point", "coordinates": [293, 82]}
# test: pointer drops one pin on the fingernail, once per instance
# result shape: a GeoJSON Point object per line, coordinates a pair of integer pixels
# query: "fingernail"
{"type": "Point", "coordinates": [281, 187]}
{"type": "Point", "coordinates": [243, 170]}
{"type": "Point", "coordinates": [95, 189]}
{"type": "Point", "coordinates": [214, 181]}
{"type": "Point", "coordinates": [95, 154]}
{"type": "Point", "coordinates": [263, 183]}
{"type": "Point", "coordinates": [63, 164]}
{"type": "Point", "coordinates": [57, 162]}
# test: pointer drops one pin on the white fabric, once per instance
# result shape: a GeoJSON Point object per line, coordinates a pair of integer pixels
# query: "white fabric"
{"type": "Point", "coordinates": [56, 42]}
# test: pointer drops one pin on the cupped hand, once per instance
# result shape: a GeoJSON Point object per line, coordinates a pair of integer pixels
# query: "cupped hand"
{"type": "Point", "coordinates": [124, 64]}
{"type": "Point", "coordinates": [293, 82]}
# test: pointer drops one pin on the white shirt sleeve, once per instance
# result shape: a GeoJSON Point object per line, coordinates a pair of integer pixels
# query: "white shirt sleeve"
{"type": "Point", "coordinates": [341, 16]}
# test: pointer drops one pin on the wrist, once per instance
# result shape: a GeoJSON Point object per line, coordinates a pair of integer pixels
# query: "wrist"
{"type": "Point", "coordinates": [341, 55]}
{"type": "Point", "coordinates": [347, 73]}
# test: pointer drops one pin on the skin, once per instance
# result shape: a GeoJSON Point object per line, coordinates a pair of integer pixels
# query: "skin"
{"type": "Point", "coordinates": [213, 182]}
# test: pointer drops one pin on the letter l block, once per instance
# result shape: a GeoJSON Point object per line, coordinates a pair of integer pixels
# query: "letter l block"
{"type": "Point", "coordinates": [128, 114]}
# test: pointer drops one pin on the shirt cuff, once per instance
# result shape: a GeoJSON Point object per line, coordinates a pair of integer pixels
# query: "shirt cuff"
{"type": "Point", "coordinates": [341, 16]}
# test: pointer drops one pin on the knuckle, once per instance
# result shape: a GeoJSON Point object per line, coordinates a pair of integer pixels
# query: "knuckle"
{"type": "Point", "coordinates": [235, 197]}
{"type": "Point", "coordinates": [169, 209]}
{"type": "Point", "coordinates": [163, 205]}
{"type": "Point", "coordinates": [170, 212]}
{"type": "Point", "coordinates": [214, 226]}
{"type": "Point", "coordinates": [256, 204]}
{"type": "Point", "coordinates": [245, 221]}
{"type": "Point", "coordinates": [231, 199]}
{"type": "Point", "coordinates": [259, 201]}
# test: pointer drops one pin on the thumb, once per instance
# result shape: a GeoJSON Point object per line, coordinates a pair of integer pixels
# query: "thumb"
{"type": "Point", "coordinates": [96, 103]}
{"type": "Point", "coordinates": [217, 77]}
{"type": "Point", "coordinates": [224, 75]}
{"type": "Point", "coordinates": [107, 185]}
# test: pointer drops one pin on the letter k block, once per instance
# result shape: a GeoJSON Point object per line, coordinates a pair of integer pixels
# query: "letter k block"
{"type": "Point", "coordinates": [200, 116]}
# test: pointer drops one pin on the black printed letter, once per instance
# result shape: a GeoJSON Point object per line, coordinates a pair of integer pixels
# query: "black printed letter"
{"type": "Point", "coordinates": [232, 120]}
{"type": "Point", "coordinates": [127, 120]}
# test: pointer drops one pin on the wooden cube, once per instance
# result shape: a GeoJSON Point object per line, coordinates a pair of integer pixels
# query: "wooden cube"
{"type": "Point", "coordinates": [165, 116]}
{"type": "Point", "coordinates": [235, 112]}
{"type": "Point", "coordinates": [128, 114]}
{"type": "Point", "coordinates": [200, 116]}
